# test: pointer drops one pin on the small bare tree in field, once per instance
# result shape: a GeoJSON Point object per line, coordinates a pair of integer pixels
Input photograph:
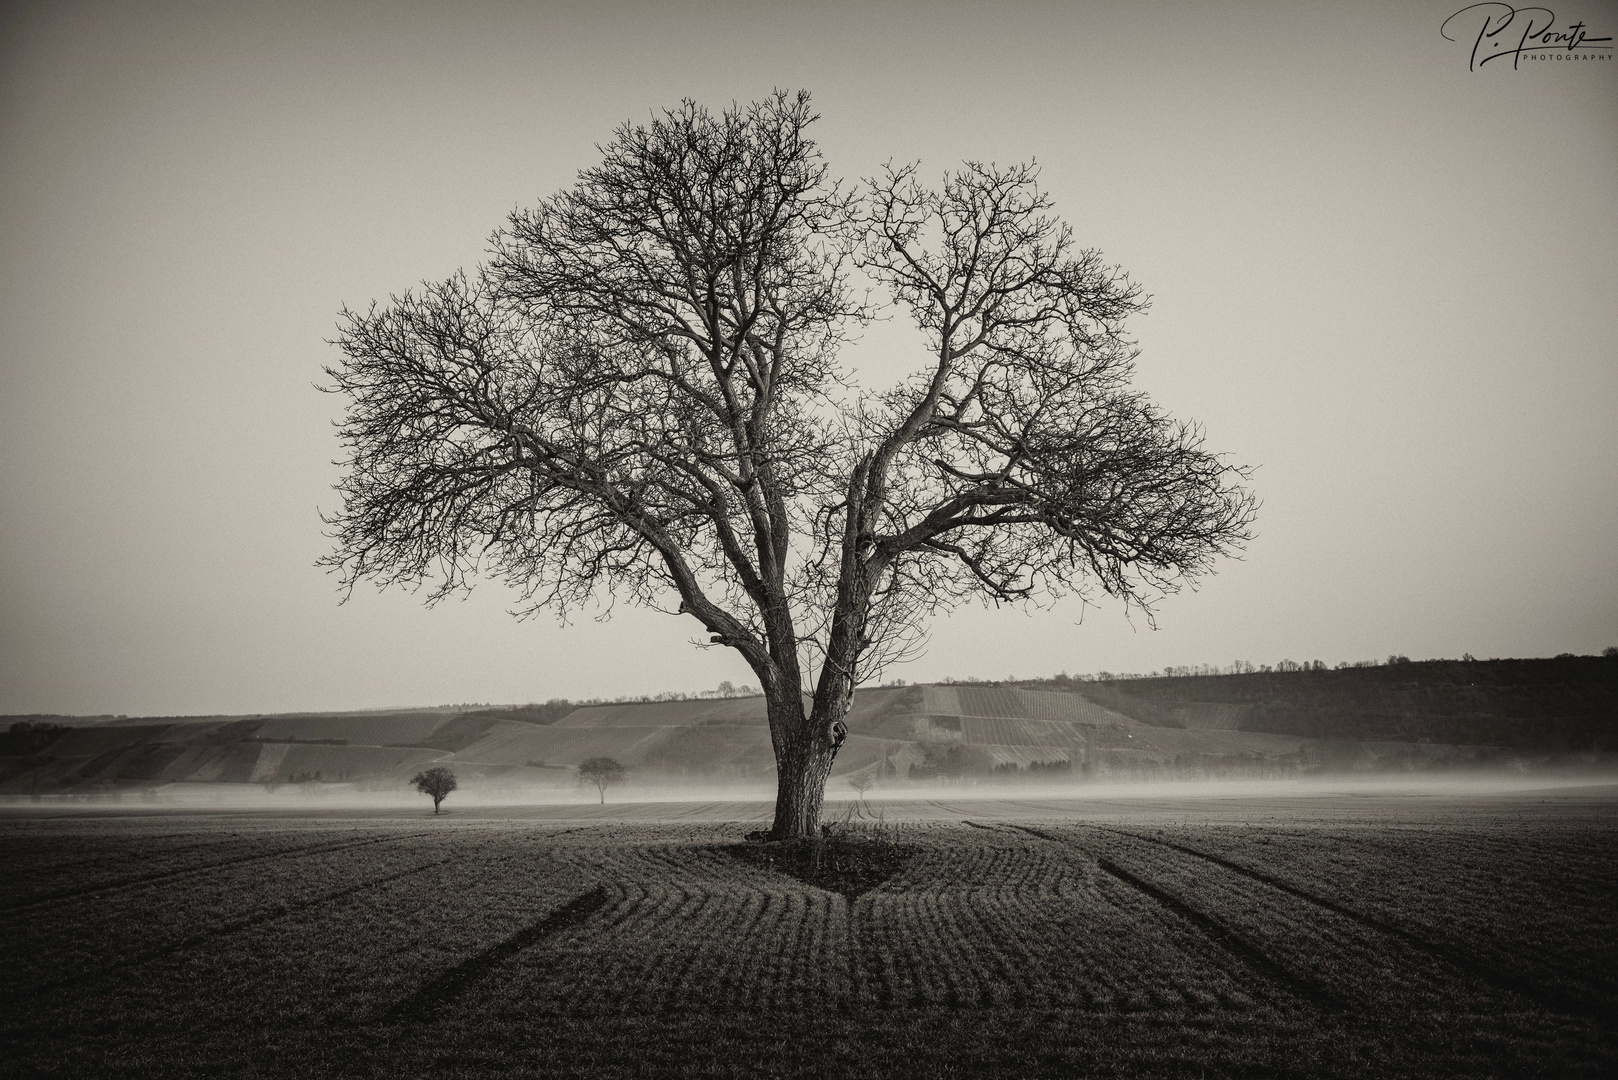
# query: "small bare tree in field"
{"type": "Point", "coordinates": [437, 782]}
{"type": "Point", "coordinates": [861, 783]}
{"type": "Point", "coordinates": [603, 772]}
{"type": "Point", "coordinates": [640, 396]}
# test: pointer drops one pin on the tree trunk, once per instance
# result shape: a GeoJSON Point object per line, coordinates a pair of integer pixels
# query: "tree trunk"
{"type": "Point", "coordinates": [805, 747]}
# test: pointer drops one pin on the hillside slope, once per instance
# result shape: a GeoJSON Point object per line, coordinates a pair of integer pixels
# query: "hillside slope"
{"type": "Point", "coordinates": [1562, 705]}
{"type": "Point", "coordinates": [926, 731]}
{"type": "Point", "coordinates": [1410, 715]}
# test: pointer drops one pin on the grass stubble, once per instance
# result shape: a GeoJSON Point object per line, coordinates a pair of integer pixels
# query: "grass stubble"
{"type": "Point", "coordinates": [237, 946]}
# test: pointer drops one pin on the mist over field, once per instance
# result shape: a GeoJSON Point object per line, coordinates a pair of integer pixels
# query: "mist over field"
{"type": "Point", "coordinates": [1439, 725]}
{"type": "Point", "coordinates": [652, 800]}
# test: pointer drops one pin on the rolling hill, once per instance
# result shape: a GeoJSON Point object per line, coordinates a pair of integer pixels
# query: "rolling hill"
{"type": "Point", "coordinates": [1565, 704]}
{"type": "Point", "coordinates": [1400, 716]}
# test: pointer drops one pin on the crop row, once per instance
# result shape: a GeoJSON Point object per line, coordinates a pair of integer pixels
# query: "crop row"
{"type": "Point", "coordinates": [38, 859]}
{"type": "Point", "coordinates": [1530, 909]}
{"type": "Point", "coordinates": [394, 909]}
{"type": "Point", "coordinates": [350, 955]}
{"type": "Point", "coordinates": [1345, 960]}
{"type": "Point", "coordinates": [73, 940]}
{"type": "Point", "coordinates": [1352, 946]}
{"type": "Point", "coordinates": [488, 938]}
{"type": "Point", "coordinates": [353, 933]}
{"type": "Point", "coordinates": [773, 947]}
{"type": "Point", "coordinates": [698, 934]}
{"type": "Point", "coordinates": [661, 949]}
{"type": "Point", "coordinates": [97, 865]}
{"type": "Point", "coordinates": [1088, 944]}
{"type": "Point", "coordinates": [1082, 917]}
{"type": "Point", "coordinates": [51, 863]}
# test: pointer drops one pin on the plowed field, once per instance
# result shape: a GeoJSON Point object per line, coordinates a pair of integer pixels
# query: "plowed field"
{"type": "Point", "coordinates": [1445, 937]}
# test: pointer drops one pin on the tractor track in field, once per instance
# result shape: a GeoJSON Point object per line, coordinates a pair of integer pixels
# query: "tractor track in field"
{"type": "Point", "coordinates": [166, 875]}
{"type": "Point", "coordinates": [261, 918]}
{"type": "Point", "coordinates": [74, 864]}
{"type": "Point", "coordinates": [1544, 996]}
{"type": "Point", "coordinates": [1232, 942]}
{"type": "Point", "coordinates": [948, 809]}
{"type": "Point", "coordinates": [450, 985]}
{"type": "Point", "coordinates": [1276, 883]}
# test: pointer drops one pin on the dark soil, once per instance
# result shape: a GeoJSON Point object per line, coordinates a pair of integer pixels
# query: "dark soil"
{"type": "Point", "coordinates": [848, 865]}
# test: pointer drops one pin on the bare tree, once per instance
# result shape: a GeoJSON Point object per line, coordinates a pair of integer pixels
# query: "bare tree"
{"type": "Point", "coordinates": [861, 783]}
{"type": "Point", "coordinates": [437, 782]}
{"type": "Point", "coordinates": [603, 772]}
{"type": "Point", "coordinates": [639, 397]}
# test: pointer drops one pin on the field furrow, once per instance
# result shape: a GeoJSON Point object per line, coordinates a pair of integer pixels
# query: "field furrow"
{"type": "Point", "coordinates": [1051, 932]}
{"type": "Point", "coordinates": [738, 948]}
{"type": "Point", "coordinates": [1455, 962]}
{"type": "Point", "coordinates": [1013, 945]}
{"type": "Point", "coordinates": [257, 919]}
{"type": "Point", "coordinates": [320, 953]}
{"type": "Point", "coordinates": [1529, 910]}
{"type": "Point", "coordinates": [1323, 952]}
{"type": "Point", "coordinates": [96, 888]}
{"type": "Point", "coordinates": [76, 939]}
{"type": "Point", "coordinates": [43, 859]}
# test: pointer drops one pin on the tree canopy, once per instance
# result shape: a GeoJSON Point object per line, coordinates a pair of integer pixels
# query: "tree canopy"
{"type": "Point", "coordinates": [640, 396]}
{"type": "Point", "coordinates": [436, 782]}
{"type": "Point", "coordinates": [603, 772]}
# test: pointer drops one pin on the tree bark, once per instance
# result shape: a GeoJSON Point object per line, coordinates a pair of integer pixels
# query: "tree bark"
{"type": "Point", "coordinates": [806, 744]}
{"type": "Point", "coordinates": [801, 786]}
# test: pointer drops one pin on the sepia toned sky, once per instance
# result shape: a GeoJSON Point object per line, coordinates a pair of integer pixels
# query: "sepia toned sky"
{"type": "Point", "coordinates": [1387, 281]}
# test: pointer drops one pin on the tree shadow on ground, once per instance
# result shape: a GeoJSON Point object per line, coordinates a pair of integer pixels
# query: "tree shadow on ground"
{"type": "Point", "coordinates": [850, 864]}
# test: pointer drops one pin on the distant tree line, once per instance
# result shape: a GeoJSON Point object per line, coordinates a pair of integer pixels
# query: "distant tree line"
{"type": "Point", "coordinates": [938, 763]}
{"type": "Point", "coordinates": [314, 776]}
{"type": "Point", "coordinates": [532, 713]}
{"type": "Point", "coordinates": [556, 708]}
{"type": "Point", "coordinates": [1059, 767]}
{"type": "Point", "coordinates": [26, 737]}
{"type": "Point", "coordinates": [1235, 667]}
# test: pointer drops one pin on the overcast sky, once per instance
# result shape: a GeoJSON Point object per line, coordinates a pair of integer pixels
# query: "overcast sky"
{"type": "Point", "coordinates": [1385, 280]}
